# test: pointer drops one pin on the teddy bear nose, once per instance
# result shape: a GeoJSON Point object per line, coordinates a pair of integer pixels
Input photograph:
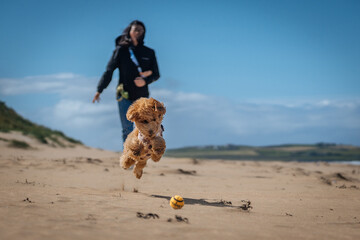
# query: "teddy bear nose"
{"type": "Point", "coordinates": [151, 132]}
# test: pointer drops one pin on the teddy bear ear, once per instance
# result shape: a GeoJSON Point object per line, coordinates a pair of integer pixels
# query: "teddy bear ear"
{"type": "Point", "coordinates": [159, 107]}
{"type": "Point", "coordinates": [132, 113]}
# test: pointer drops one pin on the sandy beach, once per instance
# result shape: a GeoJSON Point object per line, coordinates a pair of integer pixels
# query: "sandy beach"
{"type": "Point", "coordinates": [81, 193]}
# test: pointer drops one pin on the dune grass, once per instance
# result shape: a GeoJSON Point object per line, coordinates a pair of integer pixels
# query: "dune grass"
{"type": "Point", "coordinates": [19, 144]}
{"type": "Point", "coordinates": [11, 121]}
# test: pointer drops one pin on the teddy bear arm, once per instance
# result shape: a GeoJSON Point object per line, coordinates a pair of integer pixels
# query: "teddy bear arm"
{"type": "Point", "coordinates": [158, 149]}
{"type": "Point", "coordinates": [159, 145]}
{"type": "Point", "coordinates": [136, 148]}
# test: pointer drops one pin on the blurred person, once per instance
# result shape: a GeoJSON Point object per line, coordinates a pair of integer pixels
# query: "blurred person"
{"type": "Point", "coordinates": [137, 69]}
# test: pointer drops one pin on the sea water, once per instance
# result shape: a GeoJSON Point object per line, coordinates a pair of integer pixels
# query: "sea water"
{"type": "Point", "coordinates": [354, 162]}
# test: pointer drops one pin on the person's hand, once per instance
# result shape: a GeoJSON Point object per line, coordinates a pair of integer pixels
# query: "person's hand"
{"type": "Point", "coordinates": [139, 82]}
{"type": "Point", "coordinates": [96, 97]}
{"type": "Point", "coordinates": [146, 73]}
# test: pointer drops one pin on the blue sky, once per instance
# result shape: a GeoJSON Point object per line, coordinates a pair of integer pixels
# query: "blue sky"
{"type": "Point", "coordinates": [241, 72]}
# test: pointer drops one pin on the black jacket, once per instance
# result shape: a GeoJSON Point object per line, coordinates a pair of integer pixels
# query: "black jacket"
{"type": "Point", "coordinates": [128, 71]}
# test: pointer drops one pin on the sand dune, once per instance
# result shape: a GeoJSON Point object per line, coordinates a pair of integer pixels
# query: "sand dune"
{"type": "Point", "coordinates": [82, 193]}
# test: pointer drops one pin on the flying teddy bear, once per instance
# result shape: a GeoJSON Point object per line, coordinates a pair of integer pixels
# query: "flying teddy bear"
{"type": "Point", "coordinates": [146, 140]}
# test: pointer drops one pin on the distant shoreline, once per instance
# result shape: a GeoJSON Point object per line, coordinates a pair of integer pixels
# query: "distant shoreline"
{"type": "Point", "coordinates": [322, 152]}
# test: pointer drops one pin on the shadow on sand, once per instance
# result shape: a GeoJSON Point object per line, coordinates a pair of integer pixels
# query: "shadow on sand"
{"type": "Point", "coordinates": [221, 203]}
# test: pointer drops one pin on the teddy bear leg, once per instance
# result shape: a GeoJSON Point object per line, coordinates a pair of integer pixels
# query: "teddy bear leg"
{"type": "Point", "coordinates": [138, 169]}
{"type": "Point", "coordinates": [126, 162]}
{"type": "Point", "coordinates": [158, 149]}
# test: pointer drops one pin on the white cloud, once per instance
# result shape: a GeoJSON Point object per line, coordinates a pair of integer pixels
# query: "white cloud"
{"type": "Point", "coordinates": [66, 84]}
{"type": "Point", "coordinates": [19, 86]}
{"type": "Point", "coordinates": [72, 111]}
{"type": "Point", "coordinates": [54, 76]}
{"type": "Point", "coordinates": [191, 118]}
{"type": "Point", "coordinates": [261, 122]}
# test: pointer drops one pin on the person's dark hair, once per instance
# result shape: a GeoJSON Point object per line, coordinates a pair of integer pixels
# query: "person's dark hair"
{"type": "Point", "coordinates": [124, 39]}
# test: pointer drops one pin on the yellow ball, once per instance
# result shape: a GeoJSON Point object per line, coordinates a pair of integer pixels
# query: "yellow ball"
{"type": "Point", "coordinates": [176, 202]}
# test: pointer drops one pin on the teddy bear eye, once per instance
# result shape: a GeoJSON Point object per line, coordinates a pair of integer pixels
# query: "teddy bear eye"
{"type": "Point", "coordinates": [145, 122]}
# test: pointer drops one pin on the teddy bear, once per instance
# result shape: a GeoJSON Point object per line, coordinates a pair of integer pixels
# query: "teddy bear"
{"type": "Point", "coordinates": [146, 140]}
